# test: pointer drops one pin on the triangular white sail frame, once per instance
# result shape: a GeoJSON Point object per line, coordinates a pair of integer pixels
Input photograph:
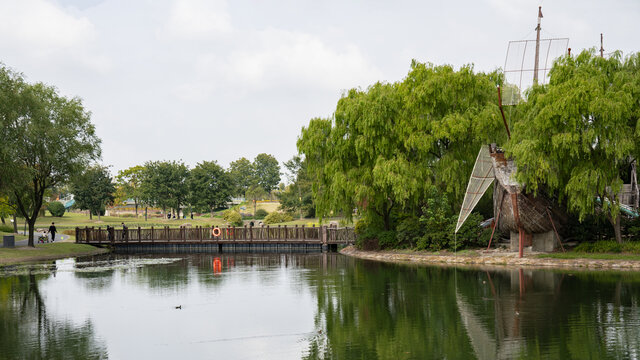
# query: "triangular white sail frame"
{"type": "Point", "coordinates": [481, 177]}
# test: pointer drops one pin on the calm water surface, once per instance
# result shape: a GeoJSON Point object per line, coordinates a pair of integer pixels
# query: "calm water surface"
{"type": "Point", "coordinates": [313, 306]}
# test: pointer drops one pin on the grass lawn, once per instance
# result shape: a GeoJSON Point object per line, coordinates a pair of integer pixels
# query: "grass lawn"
{"type": "Point", "coordinates": [72, 220]}
{"type": "Point", "coordinates": [18, 237]}
{"type": "Point", "coordinates": [593, 256]}
{"type": "Point", "coordinates": [46, 252]}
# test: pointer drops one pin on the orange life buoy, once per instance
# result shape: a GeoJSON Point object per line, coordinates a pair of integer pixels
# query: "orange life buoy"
{"type": "Point", "coordinates": [215, 231]}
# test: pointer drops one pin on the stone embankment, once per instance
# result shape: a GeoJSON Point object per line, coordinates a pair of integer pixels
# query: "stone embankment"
{"type": "Point", "coordinates": [491, 258]}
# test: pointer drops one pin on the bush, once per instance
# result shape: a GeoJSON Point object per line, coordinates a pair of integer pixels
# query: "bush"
{"type": "Point", "coordinates": [277, 217]}
{"type": "Point", "coordinates": [128, 215]}
{"type": "Point", "coordinates": [6, 228]}
{"type": "Point", "coordinates": [387, 240]}
{"type": "Point", "coordinates": [232, 217]}
{"type": "Point", "coordinates": [56, 208]}
{"type": "Point", "coordinates": [261, 214]}
{"type": "Point", "coordinates": [408, 232]}
{"type": "Point", "coordinates": [69, 232]}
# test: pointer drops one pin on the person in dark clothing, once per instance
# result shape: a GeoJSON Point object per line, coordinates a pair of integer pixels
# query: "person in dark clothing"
{"type": "Point", "coordinates": [124, 231]}
{"type": "Point", "coordinates": [53, 230]}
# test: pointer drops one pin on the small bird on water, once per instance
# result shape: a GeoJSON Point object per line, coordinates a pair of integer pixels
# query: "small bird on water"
{"type": "Point", "coordinates": [179, 307]}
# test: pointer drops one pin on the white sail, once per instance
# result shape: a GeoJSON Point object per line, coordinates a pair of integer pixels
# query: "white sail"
{"type": "Point", "coordinates": [481, 177]}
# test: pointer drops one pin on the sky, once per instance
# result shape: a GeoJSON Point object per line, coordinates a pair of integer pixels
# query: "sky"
{"type": "Point", "coordinates": [195, 80]}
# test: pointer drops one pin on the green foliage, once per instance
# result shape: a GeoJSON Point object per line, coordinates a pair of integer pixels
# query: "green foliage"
{"type": "Point", "coordinates": [6, 229]}
{"type": "Point", "coordinates": [408, 231]}
{"type": "Point", "coordinates": [609, 246]}
{"type": "Point", "coordinates": [255, 193]}
{"type": "Point", "coordinates": [56, 208]}
{"type": "Point", "coordinates": [261, 213]}
{"type": "Point", "coordinates": [44, 138]}
{"type": "Point", "coordinates": [164, 184]}
{"type": "Point", "coordinates": [277, 217]}
{"type": "Point", "coordinates": [298, 197]}
{"type": "Point", "coordinates": [442, 236]}
{"type": "Point", "coordinates": [129, 185]}
{"type": "Point", "coordinates": [93, 189]}
{"type": "Point", "coordinates": [232, 217]}
{"type": "Point", "coordinates": [266, 171]}
{"type": "Point", "coordinates": [386, 146]}
{"type": "Point", "coordinates": [576, 135]}
{"type": "Point", "coordinates": [241, 173]}
{"type": "Point", "coordinates": [209, 186]}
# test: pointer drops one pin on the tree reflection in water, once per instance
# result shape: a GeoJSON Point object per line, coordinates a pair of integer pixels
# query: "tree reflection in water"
{"type": "Point", "coordinates": [377, 311]}
{"type": "Point", "coordinates": [28, 332]}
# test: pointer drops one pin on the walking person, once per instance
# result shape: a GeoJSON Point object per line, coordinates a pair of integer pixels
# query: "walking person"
{"type": "Point", "coordinates": [52, 231]}
{"type": "Point", "coordinates": [125, 234]}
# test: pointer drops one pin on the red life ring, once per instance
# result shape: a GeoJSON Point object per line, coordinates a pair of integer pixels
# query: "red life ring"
{"type": "Point", "coordinates": [215, 232]}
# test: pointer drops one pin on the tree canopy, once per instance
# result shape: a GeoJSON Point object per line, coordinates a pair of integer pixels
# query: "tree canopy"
{"type": "Point", "coordinates": [577, 135]}
{"type": "Point", "coordinates": [164, 184]}
{"type": "Point", "coordinates": [209, 186]}
{"type": "Point", "coordinates": [266, 171]}
{"type": "Point", "coordinates": [387, 145]}
{"type": "Point", "coordinates": [93, 189]}
{"type": "Point", "coordinates": [44, 138]}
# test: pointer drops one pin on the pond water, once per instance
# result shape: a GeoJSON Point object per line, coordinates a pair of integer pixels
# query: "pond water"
{"type": "Point", "coordinates": [310, 306]}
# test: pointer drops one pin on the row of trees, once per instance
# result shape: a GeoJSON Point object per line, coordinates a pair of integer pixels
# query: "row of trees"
{"type": "Point", "coordinates": [171, 185]}
{"type": "Point", "coordinates": [400, 154]}
{"type": "Point", "coordinates": [44, 137]}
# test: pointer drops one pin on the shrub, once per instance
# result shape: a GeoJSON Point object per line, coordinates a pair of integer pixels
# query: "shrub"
{"type": "Point", "coordinates": [69, 232]}
{"type": "Point", "coordinates": [232, 217]}
{"type": "Point", "coordinates": [277, 217]}
{"type": "Point", "coordinates": [127, 215]}
{"type": "Point", "coordinates": [56, 208]}
{"type": "Point", "coordinates": [604, 246]}
{"type": "Point", "coordinates": [261, 214]}
{"type": "Point", "coordinates": [408, 232]}
{"type": "Point", "coordinates": [387, 239]}
{"type": "Point", "coordinates": [6, 228]}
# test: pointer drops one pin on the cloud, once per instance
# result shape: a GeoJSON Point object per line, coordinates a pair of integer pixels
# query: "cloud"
{"type": "Point", "coordinates": [197, 19]}
{"type": "Point", "coordinates": [39, 31]}
{"type": "Point", "coordinates": [274, 58]}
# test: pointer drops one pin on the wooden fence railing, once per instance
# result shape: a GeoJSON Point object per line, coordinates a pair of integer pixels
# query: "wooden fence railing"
{"type": "Point", "coordinates": [261, 234]}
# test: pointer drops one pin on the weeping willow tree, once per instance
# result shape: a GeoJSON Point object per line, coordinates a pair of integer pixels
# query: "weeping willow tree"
{"type": "Point", "coordinates": [578, 134]}
{"type": "Point", "coordinates": [388, 146]}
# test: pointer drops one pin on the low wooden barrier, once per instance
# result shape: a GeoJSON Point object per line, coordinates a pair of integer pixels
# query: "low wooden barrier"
{"type": "Point", "coordinates": [325, 235]}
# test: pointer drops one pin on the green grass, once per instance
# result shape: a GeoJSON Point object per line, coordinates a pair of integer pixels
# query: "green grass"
{"type": "Point", "coordinates": [18, 237]}
{"type": "Point", "coordinates": [46, 252]}
{"type": "Point", "coordinates": [73, 220]}
{"type": "Point", "coordinates": [592, 256]}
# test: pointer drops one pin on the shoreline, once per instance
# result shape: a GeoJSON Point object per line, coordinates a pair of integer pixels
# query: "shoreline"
{"type": "Point", "coordinates": [492, 258]}
{"type": "Point", "coordinates": [26, 255]}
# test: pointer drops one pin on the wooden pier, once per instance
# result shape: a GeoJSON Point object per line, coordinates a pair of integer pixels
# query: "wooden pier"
{"type": "Point", "coordinates": [246, 238]}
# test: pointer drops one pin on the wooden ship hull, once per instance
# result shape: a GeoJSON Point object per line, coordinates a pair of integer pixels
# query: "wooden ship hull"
{"type": "Point", "coordinates": [534, 220]}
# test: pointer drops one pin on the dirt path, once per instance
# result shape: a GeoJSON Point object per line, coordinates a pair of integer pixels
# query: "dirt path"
{"type": "Point", "coordinates": [491, 258]}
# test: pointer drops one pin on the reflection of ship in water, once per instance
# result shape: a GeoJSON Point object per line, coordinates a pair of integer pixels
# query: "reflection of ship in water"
{"type": "Point", "coordinates": [501, 337]}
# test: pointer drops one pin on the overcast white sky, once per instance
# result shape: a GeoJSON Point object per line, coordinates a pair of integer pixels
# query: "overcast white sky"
{"type": "Point", "coordinates": [218, 80]}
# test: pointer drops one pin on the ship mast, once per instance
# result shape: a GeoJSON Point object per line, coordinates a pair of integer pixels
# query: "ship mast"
{"type": "Point", "coordinates": [537, 59]}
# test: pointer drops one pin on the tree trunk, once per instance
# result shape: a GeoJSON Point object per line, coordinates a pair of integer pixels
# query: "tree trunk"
{"type": "Point", "coordinates": [146, 208]}
{"type": "Point", "coordinates": [616, 227]}
{"type": "Point", "coordinates": [90, 215]}
{"type": "Point", "coordinates": [3, 222]}
{"type": "Point", "coordinates": [32, 226]}
{"type": "Point", "coordinates": [136, 202]}
{"type": "Point", "coordinates": [254, 207]}
{"type": "Point", "coordinates": [15, 224]}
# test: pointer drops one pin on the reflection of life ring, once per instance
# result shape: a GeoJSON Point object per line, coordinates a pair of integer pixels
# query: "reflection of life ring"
{"type": "Point", "coordinates": [217, 265]}
{"type": "Point", "coordinates": [215, 232]}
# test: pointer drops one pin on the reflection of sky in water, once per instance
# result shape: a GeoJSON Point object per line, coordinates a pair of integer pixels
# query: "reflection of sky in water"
{"type": "Point", "coordinates": [132, 306]}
